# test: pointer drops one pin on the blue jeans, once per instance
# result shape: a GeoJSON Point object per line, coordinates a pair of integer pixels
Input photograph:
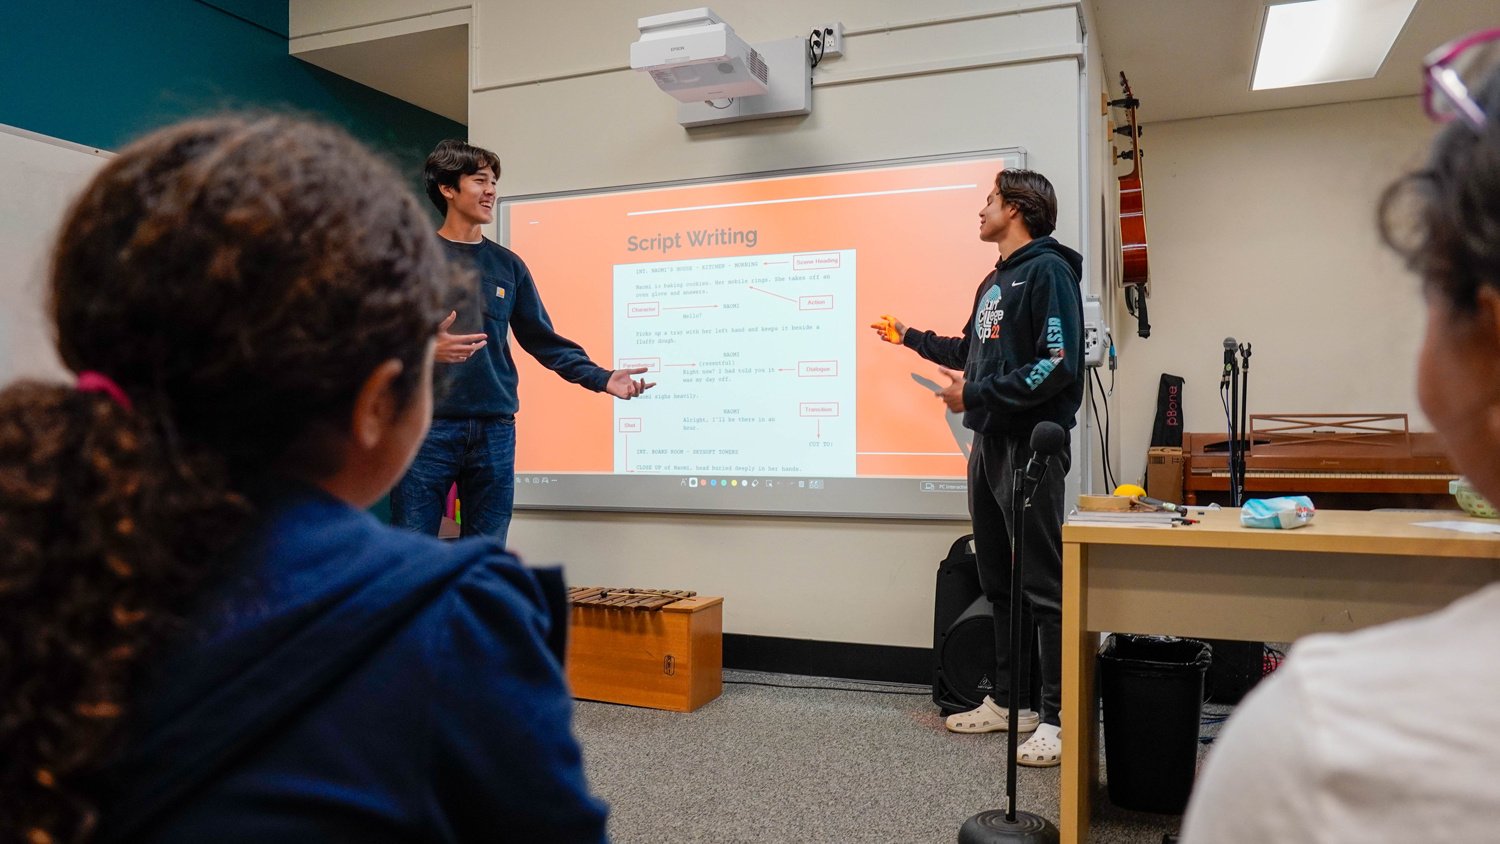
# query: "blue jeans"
{"type": "Point", "coordinates": [477, 454]}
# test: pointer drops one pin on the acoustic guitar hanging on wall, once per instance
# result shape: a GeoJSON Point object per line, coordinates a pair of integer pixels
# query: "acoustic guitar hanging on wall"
{"type": "Point", "coordinates": [1135, 271]}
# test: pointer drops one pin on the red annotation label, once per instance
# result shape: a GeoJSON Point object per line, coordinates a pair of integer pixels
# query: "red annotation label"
{"type": "Point", "coordinates": [636, 310]}
{"type": "Point", "coordinates": [817, 368]}
{"type": "Point", "coordinates": [817, 261]}
{"type": "Point", "coordinates": [630, 425]}
{"type": "Point", "coordinates": [818, 408]}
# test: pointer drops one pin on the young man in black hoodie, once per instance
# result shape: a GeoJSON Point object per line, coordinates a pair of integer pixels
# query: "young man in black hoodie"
{"type": "Point", "coordinates": [1021, 356]}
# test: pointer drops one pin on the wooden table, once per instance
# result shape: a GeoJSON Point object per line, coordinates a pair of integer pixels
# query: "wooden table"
{"type": "Point", "coordinates": [1346, 570]}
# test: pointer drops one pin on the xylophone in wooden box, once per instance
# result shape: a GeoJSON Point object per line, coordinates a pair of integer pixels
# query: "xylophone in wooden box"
{"type": "Point", "coordinates": [661, 649]}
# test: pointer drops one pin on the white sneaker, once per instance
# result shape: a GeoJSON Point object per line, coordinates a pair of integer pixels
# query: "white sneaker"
{"type": "Point", "coordinates": [991, 717]}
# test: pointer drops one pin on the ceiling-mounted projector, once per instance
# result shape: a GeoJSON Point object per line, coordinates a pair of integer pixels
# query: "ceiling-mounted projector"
{"type": "Point", "coordinates": [694, 55]}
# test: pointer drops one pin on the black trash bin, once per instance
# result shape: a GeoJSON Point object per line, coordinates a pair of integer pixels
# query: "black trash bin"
{"type": "Point", "coordinates": [1151, 689]}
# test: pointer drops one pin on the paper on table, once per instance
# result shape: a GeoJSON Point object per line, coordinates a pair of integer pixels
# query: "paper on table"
{"type": "Point", "coordinates": [1135, 519]}
{"type": "Point", "coordinates": [1462, 527]}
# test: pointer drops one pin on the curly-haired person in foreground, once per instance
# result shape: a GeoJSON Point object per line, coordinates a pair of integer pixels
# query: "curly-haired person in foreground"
{"type": "Point", "coordinates": [203, 637]}
{"type": "Point", "coordinates": [1392, 734]}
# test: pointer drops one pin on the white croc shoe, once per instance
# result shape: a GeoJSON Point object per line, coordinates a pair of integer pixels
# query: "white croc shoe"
{"type": "Point", "coordinates": [1043, 749]}
{"type": "Point", "coordinates": [991, 717]}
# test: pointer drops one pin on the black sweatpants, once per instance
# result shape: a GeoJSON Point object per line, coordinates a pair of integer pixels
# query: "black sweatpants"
{"type": "Point", "coordinates": [992, 464]}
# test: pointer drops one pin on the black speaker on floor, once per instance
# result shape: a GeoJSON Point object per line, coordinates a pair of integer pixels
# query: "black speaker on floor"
{"type": "Point", "coordinates": [963, 635]}
{"type": "Point", "coordinates": [964, 659]}
{"type": "Point", "coordinates": [957, 587]}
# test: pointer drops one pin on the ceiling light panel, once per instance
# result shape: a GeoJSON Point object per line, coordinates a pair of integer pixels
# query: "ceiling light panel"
{"type": "Point", "coordinates": [1317, 41]}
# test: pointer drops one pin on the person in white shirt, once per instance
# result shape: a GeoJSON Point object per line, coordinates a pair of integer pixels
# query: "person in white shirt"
{"type": "Point", "coordinates": [1392, 734]}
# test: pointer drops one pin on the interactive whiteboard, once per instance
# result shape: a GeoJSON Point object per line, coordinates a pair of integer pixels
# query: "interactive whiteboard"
{"type": "Point", "coordinates": [748, 300]}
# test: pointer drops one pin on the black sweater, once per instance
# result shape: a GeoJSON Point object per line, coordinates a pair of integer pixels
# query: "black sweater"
{"type": "Point", "coordinates": [1022, 348]}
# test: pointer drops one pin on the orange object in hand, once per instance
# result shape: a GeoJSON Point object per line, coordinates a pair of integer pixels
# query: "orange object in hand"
{"type": "Point", "coordinates": [890, 329]}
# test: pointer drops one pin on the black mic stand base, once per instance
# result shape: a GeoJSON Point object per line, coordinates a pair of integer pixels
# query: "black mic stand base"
{"type": "Point", "coordinates": [991, 826]}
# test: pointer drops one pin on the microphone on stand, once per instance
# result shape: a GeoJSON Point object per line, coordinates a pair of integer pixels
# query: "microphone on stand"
{"type": "Point", "coordinates": [1046, 440]}
{"type": "Point", "coordinates": [1229, 389]}
{"type": "Point", "coordinates": [1245, 433]}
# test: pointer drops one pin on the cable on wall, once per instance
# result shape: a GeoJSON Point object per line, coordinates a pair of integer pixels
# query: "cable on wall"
{"type": "Point", "coordinates": [817, 44]}
{"type": "Point", "coordinates": [1094, 379]}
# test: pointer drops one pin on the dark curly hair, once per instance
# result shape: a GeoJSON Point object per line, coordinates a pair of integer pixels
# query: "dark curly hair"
{"type": "Point", "coordinates": [1033, 196]}
{"type": "Point", "coordinates": [239, 278]}
{"type": "Point", "coordinates": [1445, 218]}
{"type": "Point", "coordinates": [451, 159]}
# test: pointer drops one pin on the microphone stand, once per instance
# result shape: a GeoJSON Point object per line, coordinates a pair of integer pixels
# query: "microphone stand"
{"type": "Point", "coordinates": [1236, 431]}
{"type": "Point", "coordinates": [1245, 431]}
{"type": "Point", "coordinates": [993, 825]}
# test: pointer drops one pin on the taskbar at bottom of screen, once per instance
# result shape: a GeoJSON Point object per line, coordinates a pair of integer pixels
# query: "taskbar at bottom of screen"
{"type": "Point", "coordinates": [900, 497]}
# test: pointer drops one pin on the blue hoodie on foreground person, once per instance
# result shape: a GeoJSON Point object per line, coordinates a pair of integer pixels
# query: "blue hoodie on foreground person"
{"type": "Point", "coordinates": [203, 635]}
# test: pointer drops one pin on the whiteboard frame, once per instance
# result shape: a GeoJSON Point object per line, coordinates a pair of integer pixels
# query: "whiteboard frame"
{"type": "Point", "coordinates": [946, 498]}
{"type": "Point", "coordinates": [1014, 158]}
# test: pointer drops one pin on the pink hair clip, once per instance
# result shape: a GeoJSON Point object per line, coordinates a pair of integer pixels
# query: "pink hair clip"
{"type": "Point", "coordinates": [97, 382]}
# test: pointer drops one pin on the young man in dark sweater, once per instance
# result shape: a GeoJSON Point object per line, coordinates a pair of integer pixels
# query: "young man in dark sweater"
{"type": "Point", "coordinates": [473, 437]}
{"type": "Point", "coordinates": [1021, 359]}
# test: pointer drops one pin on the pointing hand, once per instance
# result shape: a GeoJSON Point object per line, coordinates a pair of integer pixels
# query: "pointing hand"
{"type": "Point", "coordinates": [889, 328]}
{"type": "Point", "coordinates": [622, 385]}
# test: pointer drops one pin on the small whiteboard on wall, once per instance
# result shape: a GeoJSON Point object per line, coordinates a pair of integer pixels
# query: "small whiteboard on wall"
{"type": "Point", "coordinates": [39, 177]}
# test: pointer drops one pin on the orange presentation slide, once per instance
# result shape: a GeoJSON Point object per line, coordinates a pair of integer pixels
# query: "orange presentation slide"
{"type": "Point", "coordinates": [749, 303]}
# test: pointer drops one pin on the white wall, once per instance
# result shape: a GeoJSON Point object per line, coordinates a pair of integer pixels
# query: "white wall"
{"type": "Point", "coordinates": [946, 76]}
{"type": "Point", "coordinates": [567, 113]}
{"type": "Point", "coordinates": [307, 18]}
{"type": "Point", "coordinates": [39, 178]}
{"type": "Point", "coordinates": [1262, 227]}
{"type": "Point", "coordinates": [1101, 268]}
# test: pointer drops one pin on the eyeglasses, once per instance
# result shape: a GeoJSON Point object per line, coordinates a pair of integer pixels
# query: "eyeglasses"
{"type": "Point", "coordinates": [1453, 70]}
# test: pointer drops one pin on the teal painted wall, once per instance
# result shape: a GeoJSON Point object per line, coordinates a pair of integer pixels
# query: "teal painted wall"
{"type": "Point", "coordinates": [101, 72]}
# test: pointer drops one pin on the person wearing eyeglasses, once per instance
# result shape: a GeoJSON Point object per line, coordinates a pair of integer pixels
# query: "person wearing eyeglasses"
{"type": "Point", "coordinates": [1392, 734]}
